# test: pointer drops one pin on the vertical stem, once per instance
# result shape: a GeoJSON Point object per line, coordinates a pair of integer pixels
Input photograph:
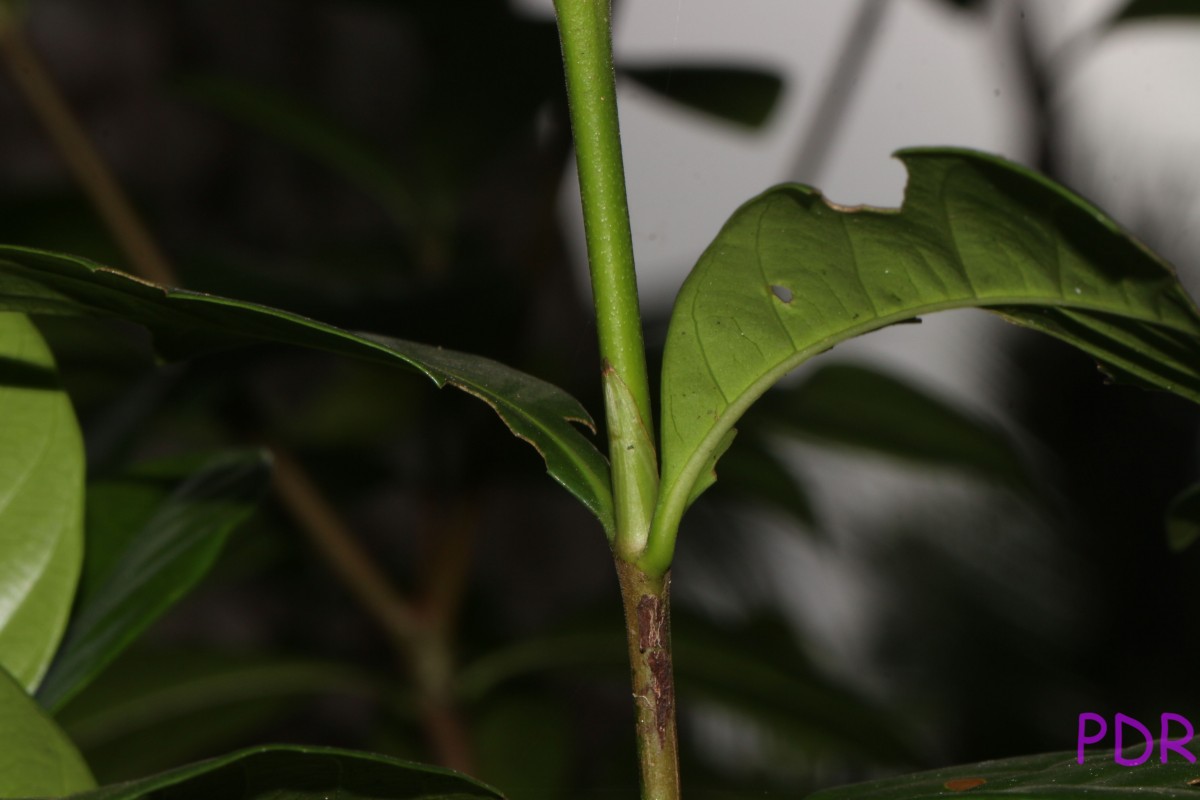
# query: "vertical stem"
{"type": "Point", "coordinates": [585, 30]}
{"type": "Point", "coordinates": [647, 605]}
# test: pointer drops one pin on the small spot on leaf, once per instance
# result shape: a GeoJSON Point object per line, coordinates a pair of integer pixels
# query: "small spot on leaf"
{"type": "Point", "coordinates": [782, 292]}
{"type": "Point", "coordinates": [963, 784]}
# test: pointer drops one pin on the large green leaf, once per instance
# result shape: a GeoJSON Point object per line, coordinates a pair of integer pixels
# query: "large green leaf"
{"type": "Point", "coordinates": [188, 323]}
{"type": "Point", "coordinates": [138, 568]}
{"type": "Point", "coordinates": [298, 773]}
{"type": "Point", "coordinates": [860, 407]}
{"type": "Point", "coordinates": [36, 758]}
{"type": "Point", "coordinates": [1052, 776]}
{"type": "Point", "coordinates": [791, 275]}
{"type": "Point", "coordinates": [41, 502]}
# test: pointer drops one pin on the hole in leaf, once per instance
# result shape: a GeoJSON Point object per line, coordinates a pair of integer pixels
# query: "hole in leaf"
{"type": "Point", "coordinates": [782, 292]}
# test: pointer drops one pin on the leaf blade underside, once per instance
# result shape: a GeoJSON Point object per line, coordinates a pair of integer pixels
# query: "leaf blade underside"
{"type": "Point", "coordinates": [791, 275]}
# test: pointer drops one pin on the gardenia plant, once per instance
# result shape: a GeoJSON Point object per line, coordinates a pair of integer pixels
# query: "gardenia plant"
{"type": "Point", "coordinates": [788, 277]}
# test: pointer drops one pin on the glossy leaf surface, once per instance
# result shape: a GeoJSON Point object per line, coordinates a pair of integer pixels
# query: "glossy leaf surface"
{"type": "Point", "coordinates": [1051, 775]}
{"type": "Point", "coordinates": [860, 407]}
{"type": "Point", "coordinates": [41, 502]}
{"type": "Point", "coordinates": [791, 275]}
{"type": "Point", "coordinates": [738, 94]}
{"type": "Point", "coordinates": [151, 538]}
{"type": "Point", "coordinates": [189, 323]}
{"type": "Point", "coordinates": [298, 773]}
{"type": "Point", "coordinates": [36, 758]}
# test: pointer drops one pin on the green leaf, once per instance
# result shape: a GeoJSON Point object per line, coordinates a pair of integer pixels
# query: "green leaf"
{"type": "Point", "coordinates": [313, 134]}
{"type": "Point", "coordinates": [1183, 519]}
{"type": "Point", "coordinates": [1147, 9]}
{"type": "Point", "coordinates": [138, 568]}
{"type": "Point", "coordinates": [860, 407]}
{"type": "Point", "coordinates": [153, 710]}
{"type": "Point", "coordinates": [757, 672]}
{"type": "Point", "coordinates": [299, 773]}
{"type": "Point", "coordinates": [754, 671]}
{"type": "Point", "coordinates": [36, 758]}
{"type": "Point", "coordinates": [743, 95]}
{"type": "Point", "coordinates": [791, 275]}
{"type": "Point", "coordinates": [189, 323]}
{"type": "Point", "coordinates": [41, 502]}
{"type": "Point", "coordinates": [1049, 775]}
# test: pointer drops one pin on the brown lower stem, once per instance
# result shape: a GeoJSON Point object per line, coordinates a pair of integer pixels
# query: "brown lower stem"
{"type": "Point", "coordinates": [648, 626]}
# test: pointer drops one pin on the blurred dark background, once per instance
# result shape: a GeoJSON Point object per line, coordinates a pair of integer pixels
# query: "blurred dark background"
{"type": "Point", "coordinates": [394, 166]}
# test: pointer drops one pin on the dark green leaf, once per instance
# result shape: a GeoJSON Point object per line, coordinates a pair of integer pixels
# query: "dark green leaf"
{"type": "Point", "coordinates": [139, 568]}
{"type": "Point", "coordinates": [856, 406]}
{"type": "Point", "coordinates": [36, 758]}
{"type": "Point", "coordinates": [754, 671]}
{"type": "Point", "coordinates": [743, 95]}
{"type": "Point", "coordinates": [792, 274]}
{"type": "Point", "coordinates": [312, 134]}
{"type": "Point", "coordinates": [1183, 519]}
{"type": "Point", "coordinates": [152, 710]}
{"type": "Point", "coordinates": [1050, 775]}
{"type": "Point", "coordinates": [41, 502]}
{"type": "Point", "coordinates": [758, 673]}
{"type": "Point", "coordinates": [298, 773]}
{"type": "Point", "coordinates": [1145, 9]}
{"type": "Point", "coordinates": [189, 323]}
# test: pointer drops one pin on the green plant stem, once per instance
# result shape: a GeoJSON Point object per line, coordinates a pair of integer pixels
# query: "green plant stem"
{"type": "Point", "coordinates": [586, 33]}
{"type": "Point", "coordinates": [585, 30]}
{"type": "Point", "coordinates": [647, 603]}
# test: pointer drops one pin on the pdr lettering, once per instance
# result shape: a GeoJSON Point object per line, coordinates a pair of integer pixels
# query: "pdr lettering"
{"type": "Point", "coordinates": [1122, 723]}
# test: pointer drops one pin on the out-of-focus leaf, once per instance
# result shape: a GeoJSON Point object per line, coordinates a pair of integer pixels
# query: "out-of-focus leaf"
{"type": "Point", "coordinates": [155, 710]}
{"type": "Point", "coordinates": [36, 758]}
{"type": "Point", "coordinates": [523, 743]}
{"type": "Point", "coordinates": [751, 471]}
{"type": "Point", "coordinates": [1049, 775]}
{"type": "Point", "coordinates": [313, 134]}
{"type": "Point", "coordinates": [189, 323]}
{"type": "Point", "coordinates": [791, 275]}
{"type": "Point", "coordinates": [744, 95]}
{"type": "Point", "coordinates": [152, 536]}
{"type": "Point", "coordinates": [965, 5]}
{"type": "Point", "coordinates": [41, 502]}
{"type": "Point", "coordinates": [858, 406]}
{"type": "Point", "coordinates": [299, 773]}
{"type": "Point", "coordinates": [1145, 9]}
{"type": "Point", "coordinates": [1183, 519]}
{"type": "Point", "coordinates": [755, 671]}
